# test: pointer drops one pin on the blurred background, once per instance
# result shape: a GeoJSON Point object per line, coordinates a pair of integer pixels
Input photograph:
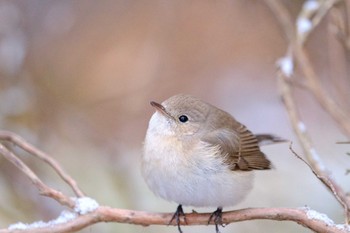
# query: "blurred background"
{"type": "Point", "coordinates": [76, 79]}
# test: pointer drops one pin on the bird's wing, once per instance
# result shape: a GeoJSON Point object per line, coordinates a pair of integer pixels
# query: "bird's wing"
{"type": "Point", "coordinates": [239, 147]}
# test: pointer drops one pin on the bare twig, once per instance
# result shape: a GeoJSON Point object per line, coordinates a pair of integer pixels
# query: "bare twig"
{"type": "Point", "coordinates": [303, 216]}
{"type": "Point", "coordinates": [321, 13]}
{"type": "Point", "coordinates": [305, 141]}
{"type": "Point", "coordinates": [298, 53]}
{"type": "Point", "coordinates": [20, 142]}
{"type": "Point", "coordinates": [300, 56]}
{"type": "Point", "coordinates": [283, 17]}
{"type": "Point", "coordinates": [326, 181]}
{"type": "Point", "coordinates": [340, 116]}
{"type": "Point", "coordinates": [43, 188]}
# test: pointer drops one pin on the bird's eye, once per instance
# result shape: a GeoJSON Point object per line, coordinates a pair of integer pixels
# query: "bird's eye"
{"type": "Point", "coordinates": [183, 118]}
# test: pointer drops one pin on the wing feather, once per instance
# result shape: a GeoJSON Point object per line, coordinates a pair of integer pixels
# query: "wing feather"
{"type": "Point", "coordinates": [239, 147]}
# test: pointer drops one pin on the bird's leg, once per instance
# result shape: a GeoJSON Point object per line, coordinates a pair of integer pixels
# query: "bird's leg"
{"type": "Point", "coordinates": [178, 213]}
{"type": "Point", "coordinates": [216, 216]}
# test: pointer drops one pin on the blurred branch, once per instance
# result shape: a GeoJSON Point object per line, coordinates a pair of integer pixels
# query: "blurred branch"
{"type": "Point", "coordinates": [43, 188]}
{"type": "Point", "coordinates": [312, 156]}
{"type": "Point", "coordinates": [20, 142]}
{"type": "Point", "coordinates": [303, 216]}
{"type": "Point", "coordinates": [327, 182]}
{"type": "Point", "coordinates": [344, 31]}
{"type": "Point", "coordinates": [296, 39]}
{"type": "Point", "coordinates": [283, 17]}
{"type": "Point", "coordinates": [83, 216]}
{"type": "Point", "coordinates": [297, 53]}
{"type": "Point", "coordinates": [340, 116]}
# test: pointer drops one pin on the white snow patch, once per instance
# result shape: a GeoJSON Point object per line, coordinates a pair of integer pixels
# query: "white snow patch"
{"type": "Point", "coordinates": [316, 157]}
{"type": "Point", "coordinates": [312, 214]}
{"type": "Point", "coordinates": [18, 226]}
{"type": "Point", "coordinates": [343, 227]}
{"type": "Point", "coordinates": [311, 5]}
{"type": "Point", "coordinates": [304, 25]}
{"type": "Point", "coordinates": [84, 205]}
{"type": "Point", "coordinates": [64, 217]}
{"type": "Point", "coordinates": [286, 65]}
{"type": "Point", "coordinates": [301, 126]}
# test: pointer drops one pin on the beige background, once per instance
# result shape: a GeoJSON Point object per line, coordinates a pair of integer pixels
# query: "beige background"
{"type": "Point", "coordinates": [76, 81]}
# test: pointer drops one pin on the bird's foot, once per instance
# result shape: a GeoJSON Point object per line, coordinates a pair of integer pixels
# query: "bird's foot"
{"type": "Point", "coordinates": [216, 216]}
{"type": "Point", "coordinates": [178, 213]}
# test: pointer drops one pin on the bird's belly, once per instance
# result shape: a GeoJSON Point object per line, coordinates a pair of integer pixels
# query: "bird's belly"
{"type": "Point", "coordinates": [193, 183]}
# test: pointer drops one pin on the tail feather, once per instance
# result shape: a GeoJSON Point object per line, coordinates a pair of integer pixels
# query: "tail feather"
{"type": "Point", "coordinates": [268, 139]}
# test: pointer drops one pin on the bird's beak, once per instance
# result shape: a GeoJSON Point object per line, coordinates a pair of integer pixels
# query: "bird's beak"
{"type": "Point", "coordinates": [160, 108]}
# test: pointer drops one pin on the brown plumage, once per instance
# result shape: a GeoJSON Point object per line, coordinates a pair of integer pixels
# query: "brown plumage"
{"type": "Point", "coordinates": [239, 145]}
{"type": "Point", "coordinates": [199, 155]}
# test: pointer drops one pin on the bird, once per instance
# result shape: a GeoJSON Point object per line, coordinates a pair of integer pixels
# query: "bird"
{"type": "Point", "coordinates": [196, 154]}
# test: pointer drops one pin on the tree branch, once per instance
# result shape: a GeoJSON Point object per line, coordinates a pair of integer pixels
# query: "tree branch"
{"type": "Point", "coordinates": [297, 52]}
{"type": "Point", "coordinates": [20, 142]}
{"type": "Point", "coordinates": [303, 216]}
{"type": "Point", "coordinates": [42, 188]}
{"type": "Point", "coordinates": [83, 218]}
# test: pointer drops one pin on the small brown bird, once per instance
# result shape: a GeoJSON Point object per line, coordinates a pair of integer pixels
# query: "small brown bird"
{"type": "Point", "coordinates": [198, 155]}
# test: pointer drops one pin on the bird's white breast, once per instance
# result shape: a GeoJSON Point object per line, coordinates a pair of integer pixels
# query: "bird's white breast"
{"type": "Point", "coordinates": [195, 177]}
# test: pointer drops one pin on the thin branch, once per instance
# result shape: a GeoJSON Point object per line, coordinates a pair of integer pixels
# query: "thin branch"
{"type": "Point", "coordinates": [287, 94]}
{"type": "Point", "coordinates": [325, 180]}
{"type": "Point", "coordinates": [340, 116]}
{"type": "Point", "coordinates": [303, 216]}
{"type": "Point", "coordinates": [42, 188]}
{"type": "Point", "coordinates": [283, 17]}
{"type": "Point", "coordinates": [300, 55]}
{"type": "Point", "coordinates": [20, 142]}
{"type": "Point", "coordinates": [347, 31]}
{"type": "Point", "coordinates": [321, 13]}
{"type": "Point", "coordinates": [305, 141]}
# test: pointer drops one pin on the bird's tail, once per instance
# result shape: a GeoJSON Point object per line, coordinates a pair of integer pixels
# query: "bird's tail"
{"type": "Point", "coordinates": [267, 139]}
